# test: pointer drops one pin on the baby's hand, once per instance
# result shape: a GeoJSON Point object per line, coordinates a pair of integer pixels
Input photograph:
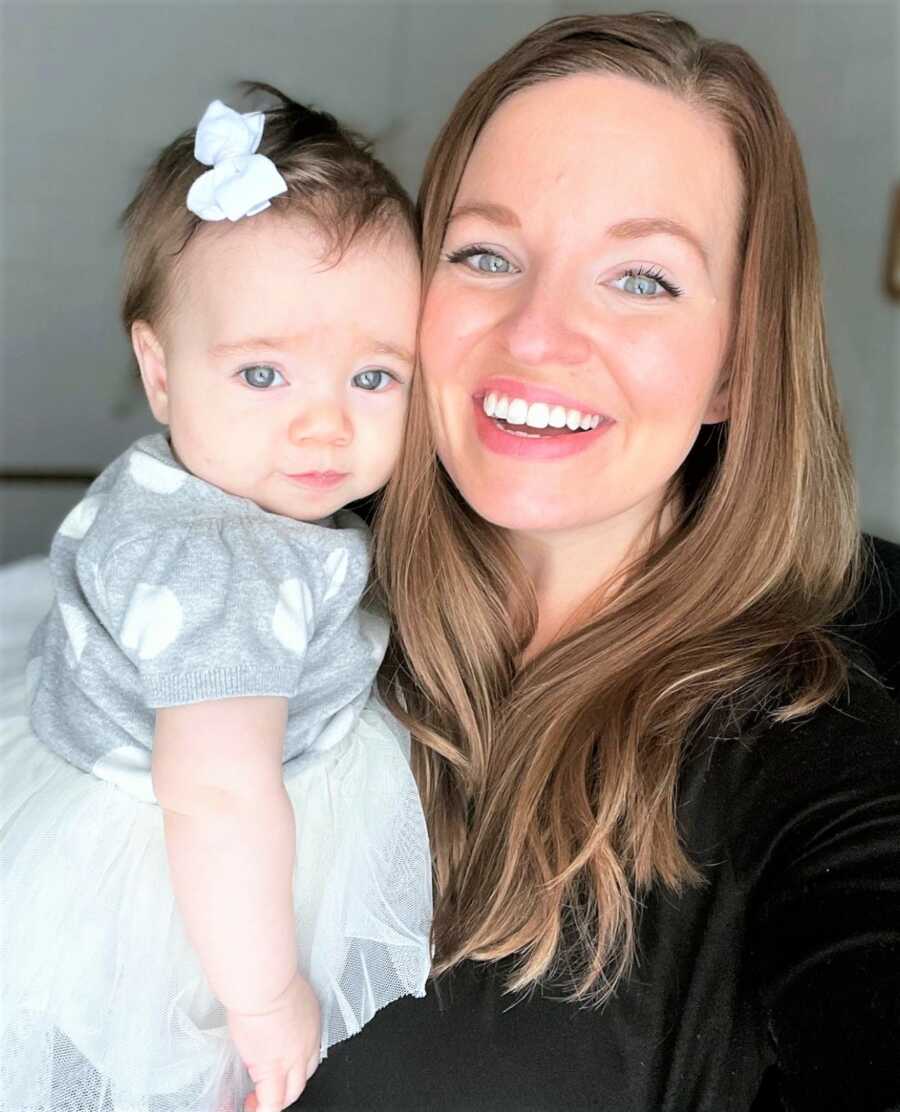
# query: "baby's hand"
{"type": "Point", "coordinates": [279, 1047]}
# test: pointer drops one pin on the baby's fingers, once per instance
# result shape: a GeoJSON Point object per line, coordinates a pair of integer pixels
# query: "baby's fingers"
{"type": "Point", "coordinates": [313, 1064]}
{"type": "Point", "coordinates": [296, 1083]}
{"type": "Point", "coordinates": [269, 1095]}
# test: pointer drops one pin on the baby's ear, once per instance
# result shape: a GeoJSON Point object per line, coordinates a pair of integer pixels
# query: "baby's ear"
{"type": "Point", "coordinates": [151, 359]}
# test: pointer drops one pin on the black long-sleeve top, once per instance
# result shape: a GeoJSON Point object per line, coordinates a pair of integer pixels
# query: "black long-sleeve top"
{"type": "Point", "coordinates": [773, 986]}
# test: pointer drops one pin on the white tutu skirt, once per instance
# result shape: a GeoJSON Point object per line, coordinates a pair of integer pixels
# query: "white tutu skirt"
{"type": "Point", "coordinates": [104, 1005]}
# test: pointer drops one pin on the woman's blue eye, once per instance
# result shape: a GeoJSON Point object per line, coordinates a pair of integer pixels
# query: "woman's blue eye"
{"type": "Point", "coordinates": [645, 283]}
{"type": "Point", "coordinates": [372, 380]}
{"type": "Point", "coordinates": [481, 259]}
{"type": "Point", "coordinates": [490, 264]}
{"type": "Point", "coordinates": [641, 284]}
{"type": "Point", "coordinates": [262, 377]}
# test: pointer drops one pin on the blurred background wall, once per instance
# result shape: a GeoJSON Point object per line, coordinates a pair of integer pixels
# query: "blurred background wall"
{"type": "Point", "coordinates": [90, 91]}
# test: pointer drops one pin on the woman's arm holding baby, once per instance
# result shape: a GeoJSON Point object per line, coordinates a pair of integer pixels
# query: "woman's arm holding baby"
{"type": "Point", "coordinates": [217, 773]}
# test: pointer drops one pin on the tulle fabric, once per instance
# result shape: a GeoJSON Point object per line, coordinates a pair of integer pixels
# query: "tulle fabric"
{"type": "Point", "coordinates": [104, 1005]}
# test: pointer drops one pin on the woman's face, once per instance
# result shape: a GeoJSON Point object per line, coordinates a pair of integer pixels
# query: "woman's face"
{"type": "Point", "coordinates": [585, 282]}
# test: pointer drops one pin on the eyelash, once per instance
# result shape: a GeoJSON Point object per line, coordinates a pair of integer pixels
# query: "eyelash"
{"type": "Point", "coordinates": [657, 275]}
{"type": "Point", "coordinates": [653, 272]}
{"type": "Point", "coordinates": [474, 249]}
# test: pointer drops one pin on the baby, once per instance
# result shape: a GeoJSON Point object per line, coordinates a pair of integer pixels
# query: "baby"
{"type": "Point", "coordinates": [213, 852]}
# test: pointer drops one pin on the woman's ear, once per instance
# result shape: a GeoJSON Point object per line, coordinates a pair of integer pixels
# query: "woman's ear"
{"type": "Point", "coordinates": [717, 410]}
{"type": "Point", "coordinates": [151, 360]}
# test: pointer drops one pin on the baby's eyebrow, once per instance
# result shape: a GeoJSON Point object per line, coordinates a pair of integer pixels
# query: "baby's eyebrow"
{"type": "Point", "coordinates": [253, 343]}
{"type": "Point", "coordinates": [382, 347]}
{"type": "Point", "coordinates": [284, 343]}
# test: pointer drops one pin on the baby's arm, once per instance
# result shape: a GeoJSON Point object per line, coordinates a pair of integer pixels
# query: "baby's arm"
{"type": "Point", "coordinates": [217, 773]}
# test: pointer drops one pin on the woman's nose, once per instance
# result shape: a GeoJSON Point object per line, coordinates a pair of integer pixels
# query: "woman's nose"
{"type": "Point", "coordinates": [540, 329]}
{"type": "Point", "coordinates": [323, 421]}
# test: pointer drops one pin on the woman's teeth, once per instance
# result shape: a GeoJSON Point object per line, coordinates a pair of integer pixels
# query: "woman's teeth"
{"type": "Point", "coordinates": [538, 415]}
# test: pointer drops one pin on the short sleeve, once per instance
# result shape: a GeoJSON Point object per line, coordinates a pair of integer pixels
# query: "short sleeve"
{"type": "Point", "coordinates": [210, 609]}
{"type": "Point", "coordinates": [824, 933]}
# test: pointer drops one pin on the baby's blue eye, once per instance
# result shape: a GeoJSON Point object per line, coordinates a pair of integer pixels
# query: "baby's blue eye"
{"type": "Point", "coordinates": [261, 377]}
{"type": "Point", "coordinates": [372, 380]}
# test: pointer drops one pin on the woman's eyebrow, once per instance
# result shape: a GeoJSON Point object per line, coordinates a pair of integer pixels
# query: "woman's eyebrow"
{"type": "Point", "coordinates": [641, 227]}
{"type": "Point", "coordinates": [638, 228]}
{"type": "Point", "coordinates": [497, 214]}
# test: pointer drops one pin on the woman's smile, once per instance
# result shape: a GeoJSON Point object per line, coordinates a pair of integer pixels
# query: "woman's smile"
{"type": "Point", "coordinates": [532, 421]}
{"type": "Point", "coordinates": [514, 437]}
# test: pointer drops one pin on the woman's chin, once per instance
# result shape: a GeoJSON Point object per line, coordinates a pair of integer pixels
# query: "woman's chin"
{"type": "Point", "coordinates": [524, 510]}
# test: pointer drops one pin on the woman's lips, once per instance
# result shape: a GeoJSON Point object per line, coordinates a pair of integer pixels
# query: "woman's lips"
{"type": "Point", "coordinates": [526, 443]}
{"type": "Point", "coordinates": [319, 480]}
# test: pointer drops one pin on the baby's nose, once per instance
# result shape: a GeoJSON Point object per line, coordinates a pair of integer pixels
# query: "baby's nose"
{"type": "Point", "coordinates": [322, 420]}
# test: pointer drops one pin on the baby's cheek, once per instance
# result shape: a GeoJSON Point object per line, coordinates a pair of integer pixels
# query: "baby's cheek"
{"type": "Point", "coordinates": [383, 450]}
{"type": "Point", "coordinates": [209, 447]}
{"type": "Point", "coordinates": [198, 444]}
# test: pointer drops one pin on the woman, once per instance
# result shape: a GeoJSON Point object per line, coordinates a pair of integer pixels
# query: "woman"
{"type": "Point", "coordinates": [663, 794]}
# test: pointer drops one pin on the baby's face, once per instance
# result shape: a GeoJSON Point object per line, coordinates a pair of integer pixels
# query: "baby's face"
{"type": "Point", "coordinates": [283, 378]}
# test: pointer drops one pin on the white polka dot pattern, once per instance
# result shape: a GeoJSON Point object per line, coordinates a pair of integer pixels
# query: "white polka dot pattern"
{"type": "Point", "coordinates": [150, 474]}
{"type": "Point", "coordinates": [76, 624]}
{"type": "Point", "coordinates": [80, 518]}
{"type": "Point", "coordinates": [293, 615]}
{"type": "Point", "coordinates": [336, 564]}
{"type": "Point", "coordinates": [177, 592]}
{"type": "Point", "coordinates": [152, 622]}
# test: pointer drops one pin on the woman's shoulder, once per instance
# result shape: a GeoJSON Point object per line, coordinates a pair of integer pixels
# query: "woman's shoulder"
{"type": "Point", "coordinates": [815, 849]}
{"type": "Point", "coordinates": [775, 793]}
{"type": "Point", "coordinates": [843, 736]}
{"type": "Point", "coordinates": [872, 624]}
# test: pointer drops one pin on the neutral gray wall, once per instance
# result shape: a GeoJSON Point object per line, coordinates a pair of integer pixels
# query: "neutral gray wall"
{"type": "Point", "coordinates": [90, 91]}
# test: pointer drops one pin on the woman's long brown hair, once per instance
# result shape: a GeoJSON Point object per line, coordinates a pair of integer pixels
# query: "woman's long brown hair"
{"type": "Point", "coordinates": [551, 788]}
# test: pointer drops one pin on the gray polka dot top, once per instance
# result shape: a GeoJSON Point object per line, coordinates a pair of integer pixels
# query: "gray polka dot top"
{"type": "Point", "coordinates": [170, 591]}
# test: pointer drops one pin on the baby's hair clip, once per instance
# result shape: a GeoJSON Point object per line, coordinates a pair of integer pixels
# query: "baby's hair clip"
{"type": "Point", "coordinates": [241, 182]}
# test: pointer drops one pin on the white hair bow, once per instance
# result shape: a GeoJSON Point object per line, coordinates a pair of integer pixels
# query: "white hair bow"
{"type": "Point", "coordinates": [241, 182]}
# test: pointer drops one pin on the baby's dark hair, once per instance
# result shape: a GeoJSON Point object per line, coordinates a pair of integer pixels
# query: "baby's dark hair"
{"type": "Point", "coordinates": [331, 175]}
